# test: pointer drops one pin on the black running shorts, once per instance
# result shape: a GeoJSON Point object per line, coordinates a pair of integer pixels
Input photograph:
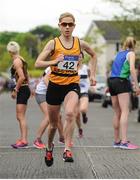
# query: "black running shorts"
{"type": "Point", "coordinates": [84, 94]}
{"type": "Point", "coordinates": [118, 86]}
{"type": "Point", "coordinates": [23, 95]}
{"type": "Point", "coordinates": [56, 93]}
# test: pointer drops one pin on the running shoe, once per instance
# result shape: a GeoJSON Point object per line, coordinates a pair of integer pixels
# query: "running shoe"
{"type": "Point", "coordinates": [129, 146]}
{"type": "Point", "coordinates": [117, 144]}
{"type": "Point", "coordinates": [85, 118]}
{"type": "Point", "coordinates": [80, 133]}
{"type": "Point", "coordinates": [18, 140]}
{"type": "Point", "coordinates": [67, 156]}
{"type": "Point", "coordinates": [39, 144]}
{"type": "Point", "coordinates": [49, 157]}
{"type": "Point", "coordinates": [61, 140]}
{"type": "Point", "coordinates": [20, 144]}
{"type": "Point", "coordinates": [71, 144]}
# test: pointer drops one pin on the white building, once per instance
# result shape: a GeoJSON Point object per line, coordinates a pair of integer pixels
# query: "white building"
{"type": "Point", "coordinates": [107, 39]}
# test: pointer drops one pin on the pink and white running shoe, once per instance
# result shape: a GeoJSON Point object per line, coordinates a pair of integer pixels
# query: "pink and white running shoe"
{"type": "Point", "coordinates": [128, 145]}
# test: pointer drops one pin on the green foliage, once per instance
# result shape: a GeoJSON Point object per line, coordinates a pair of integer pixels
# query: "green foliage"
{"type": "Point", "coordinates": [42, 43]}
{"type": "Point", "coordinates": [2, 49]}
{"type": "Point", "coordinates": [128, 21]}
{"type": "Point", "coordinates": [36, 72]}
{"type": "Point", "coordinates": [128, 28]}
{"type": "Point", "coordinates": [5, 37]}
{"type": "Point", "coordinates": [45, 31]}
{"type": "Point", "coordinates": [31, 43]}
{"type": "Point", "coordinates": [5, 61]}
{"type": "Point", "coordinates": [30, 61]}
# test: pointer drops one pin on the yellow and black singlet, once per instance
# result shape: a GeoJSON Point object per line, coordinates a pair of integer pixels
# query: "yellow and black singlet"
{"type": "Point", "coordinates": [15, 75]}
{"type": "Point", "coordinates": [65, 72]}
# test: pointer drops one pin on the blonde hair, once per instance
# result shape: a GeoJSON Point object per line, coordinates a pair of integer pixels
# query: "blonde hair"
{"type": "Point", "coordinates": [66, 14]}
{"type": "Point", "coordinates": [129, 43]}
{"type": "Point", "coordinates": [13, 47]}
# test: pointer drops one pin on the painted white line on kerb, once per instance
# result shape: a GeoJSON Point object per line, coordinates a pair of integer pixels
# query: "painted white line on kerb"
{"type": "Point", "coordinates": [28, 147]}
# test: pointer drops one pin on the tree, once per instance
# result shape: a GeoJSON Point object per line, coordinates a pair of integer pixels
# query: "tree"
{"type": "Point", "coordinates": [130, 9]}
{"type": "Point", "coordinates": [6, 36]}
{"type": "Point", "coordinates": [44, 32]}
{"type": "Point", "coordinates": [29, 41]}
{"type": "Point", "coordinates": [129, 19]}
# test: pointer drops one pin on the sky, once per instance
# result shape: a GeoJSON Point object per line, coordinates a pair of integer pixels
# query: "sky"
{"type": "Point", "coordinates": [24, 15]}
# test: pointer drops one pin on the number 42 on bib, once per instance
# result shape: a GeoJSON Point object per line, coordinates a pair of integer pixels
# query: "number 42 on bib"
{"type": "Point", "coordinates": [70, 63]}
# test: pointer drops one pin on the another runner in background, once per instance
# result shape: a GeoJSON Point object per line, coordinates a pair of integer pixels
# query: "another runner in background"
{"type": "Point", "coordinates": [84, 74]}
{"type": "Point", "coordinates": [120, 88]}
{"type": "Point", "coordinates": [21, 92]}
{"type": "Point", "coordinates": [40, 95]}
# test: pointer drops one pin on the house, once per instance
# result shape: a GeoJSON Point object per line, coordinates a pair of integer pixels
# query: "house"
{"type": "Point", "coordinates": [107, 39]}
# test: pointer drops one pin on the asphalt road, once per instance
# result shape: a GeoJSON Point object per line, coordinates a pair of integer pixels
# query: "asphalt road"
{"type": "Point", "coordinates": [94, 156]}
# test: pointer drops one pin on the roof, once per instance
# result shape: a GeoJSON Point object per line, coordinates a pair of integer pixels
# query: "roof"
{"type": "Point", "coordinates": [111, 29]}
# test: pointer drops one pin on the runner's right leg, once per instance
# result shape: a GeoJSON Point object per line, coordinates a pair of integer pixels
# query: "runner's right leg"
{"type": "Point", "coordinates": [53, 111]}
{"type": "Point", "coordinates": [43, 125]}
{"type": "Point", "coordinates": [116, 120]}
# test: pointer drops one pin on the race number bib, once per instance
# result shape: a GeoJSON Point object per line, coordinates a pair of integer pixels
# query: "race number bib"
{"type": "Point", "coordinates": [70, 63]}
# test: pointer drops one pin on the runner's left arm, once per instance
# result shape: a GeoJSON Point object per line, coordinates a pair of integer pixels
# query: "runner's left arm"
{"type": "Point", "coordinates": [93, 61]}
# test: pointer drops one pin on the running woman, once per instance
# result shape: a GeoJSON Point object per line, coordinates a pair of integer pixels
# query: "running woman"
{"type": "Point", "coordinates": [63, 84]}
{"type": "Point", "coordinates": [120, 88]}
{"type": "Point", "coordinates": [84, 101]}
{"type": "Point", "coordinates": [40, 95]}
{"type": "Point", "coordinates": [21, 92]}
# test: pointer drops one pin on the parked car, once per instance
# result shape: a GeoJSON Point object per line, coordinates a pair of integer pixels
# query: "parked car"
{"type": "Point", "coordinates": [106, 100]}
{"type": "Point", "coordinates": [97, 92]}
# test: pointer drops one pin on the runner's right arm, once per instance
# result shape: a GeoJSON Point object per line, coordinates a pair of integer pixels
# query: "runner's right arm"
{"type": "Point", "coordinates": [132, 60]}
{"type": "Point", "coordinates": [43, 58]}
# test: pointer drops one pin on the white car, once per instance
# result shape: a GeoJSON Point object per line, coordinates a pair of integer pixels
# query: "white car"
{"type": "Point", "coordinates": [97, 92]}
